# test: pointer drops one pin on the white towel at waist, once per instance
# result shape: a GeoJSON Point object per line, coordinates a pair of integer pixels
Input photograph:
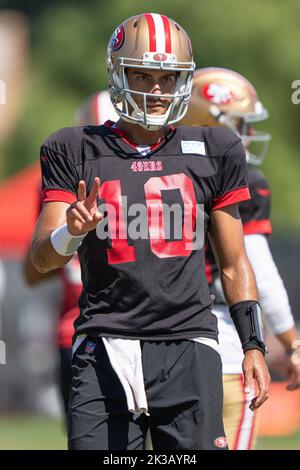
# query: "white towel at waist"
{"type": "Point", "coordinates": [125, 356]}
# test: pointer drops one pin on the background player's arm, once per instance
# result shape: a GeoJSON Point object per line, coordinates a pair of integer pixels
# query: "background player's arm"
{"type": "Point", "coordinates": [238, 283]}
{"type": "Point", "coordinates": [274, 301]}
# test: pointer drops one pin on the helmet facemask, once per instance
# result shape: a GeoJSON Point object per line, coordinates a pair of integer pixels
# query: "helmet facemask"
{"type": "Point", "coordinates": [123, 97]}
{"type": "Point", "coordinates": [256, 142]}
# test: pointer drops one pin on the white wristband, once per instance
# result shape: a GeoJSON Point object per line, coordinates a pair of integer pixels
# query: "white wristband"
{"type": "Point", "coordinates": [63, 242]}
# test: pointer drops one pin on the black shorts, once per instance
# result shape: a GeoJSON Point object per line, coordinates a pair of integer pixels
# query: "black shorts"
{"type": "Point", "coordinates": [183, 383]}
{"type": "Point", "coordinates": [64, 376]}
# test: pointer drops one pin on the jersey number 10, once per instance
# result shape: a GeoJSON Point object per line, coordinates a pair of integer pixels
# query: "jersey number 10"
{"type": "Point", "coordinates": [121, 251]}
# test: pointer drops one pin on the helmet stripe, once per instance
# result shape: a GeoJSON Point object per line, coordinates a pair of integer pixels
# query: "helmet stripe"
{"type": "Point", "coordinates": [166, 23]}
{"type": "Point", "coordinates": [159, 32]}
{"type": "Point", "coordinates": [152, 32]}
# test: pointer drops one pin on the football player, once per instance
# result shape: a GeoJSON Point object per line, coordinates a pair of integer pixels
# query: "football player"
{"type": "Point", "coordinates": [222, 97]}
{"type": "Point", "coordinates": [146, 351]}
{"type": "Point", "coordinates": [96, 109]}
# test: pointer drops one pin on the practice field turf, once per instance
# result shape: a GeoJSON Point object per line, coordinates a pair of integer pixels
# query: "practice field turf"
{"type": "Point", "coordinates": [31, 433]}
{"type": "Point", "coordinates": [42, 433]}
{"type": "Point", "coordinates": [291, 442]}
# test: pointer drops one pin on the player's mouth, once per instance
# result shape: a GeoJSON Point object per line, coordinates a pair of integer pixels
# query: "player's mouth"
{"type": "Point", "coordinates": [157, 105]}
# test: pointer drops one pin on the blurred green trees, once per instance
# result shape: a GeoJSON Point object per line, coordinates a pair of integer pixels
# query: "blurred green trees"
{"type": "Point", "coordinates": [259, 39]}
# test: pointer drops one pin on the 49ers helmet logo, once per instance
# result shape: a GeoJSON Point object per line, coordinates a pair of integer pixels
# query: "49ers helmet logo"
{"type": "Point", "coordinates": [221, 442]}
{"type": "Point", "coordinates": [216, 93]}
{"type": "Point", "coordinates": [117, 39]}
{"type": "Point", "coordinates": [160, 57]}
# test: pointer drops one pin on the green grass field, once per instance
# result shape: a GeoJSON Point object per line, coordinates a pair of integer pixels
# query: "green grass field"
{"type": "Point", "coordinates": [32, 433]}
{"type": "Point", "coordinates": [42, 433]}
{"type": "Point", "coordinates": [291, 442]}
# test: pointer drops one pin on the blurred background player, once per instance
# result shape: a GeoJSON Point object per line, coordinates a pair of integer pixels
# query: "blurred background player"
{"type": "Point", "coordinates": [222, 97]}
{"type": "Point", "coordinates": [96, 109]}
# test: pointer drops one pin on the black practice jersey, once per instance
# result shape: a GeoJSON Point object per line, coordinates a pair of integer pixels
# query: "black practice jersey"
{"type": "Point", "coordinates": [255, 213]}
{"type": "Point", "coordinates": [255, 216]}
{"type": "Point", "coordinates": [153, 286]}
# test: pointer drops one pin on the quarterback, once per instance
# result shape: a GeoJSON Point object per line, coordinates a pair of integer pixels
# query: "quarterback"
{"type": "Point", "coordinates": [145, 351]}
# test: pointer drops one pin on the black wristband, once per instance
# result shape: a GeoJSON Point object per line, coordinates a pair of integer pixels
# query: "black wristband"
{"type": "Point", "coordinates": [246, 316]}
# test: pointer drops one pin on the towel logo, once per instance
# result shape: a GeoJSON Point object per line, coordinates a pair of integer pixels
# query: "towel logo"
{"type": "Point", "coordinates": [193, 146]}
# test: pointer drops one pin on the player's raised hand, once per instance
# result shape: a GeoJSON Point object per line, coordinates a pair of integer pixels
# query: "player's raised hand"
{"type": "Point", "coordinates": [255, 368]}
{"type": "Point", "coordinates": [83, 215]}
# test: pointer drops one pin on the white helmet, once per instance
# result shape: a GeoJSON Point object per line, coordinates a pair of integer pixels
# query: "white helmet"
{"type": "Point", "coordinates": [95, 110]}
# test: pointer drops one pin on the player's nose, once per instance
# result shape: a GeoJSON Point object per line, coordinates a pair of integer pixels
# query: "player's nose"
{"type": "Point", "coordinates": [156, 88]}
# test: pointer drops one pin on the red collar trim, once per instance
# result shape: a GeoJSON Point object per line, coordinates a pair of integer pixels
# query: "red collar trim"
{"type": "Point", "coordinates": [120, 133]}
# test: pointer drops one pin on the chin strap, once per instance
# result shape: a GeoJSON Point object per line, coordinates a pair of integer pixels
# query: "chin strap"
{"type": "Point", "coordinates": [217, 114]}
